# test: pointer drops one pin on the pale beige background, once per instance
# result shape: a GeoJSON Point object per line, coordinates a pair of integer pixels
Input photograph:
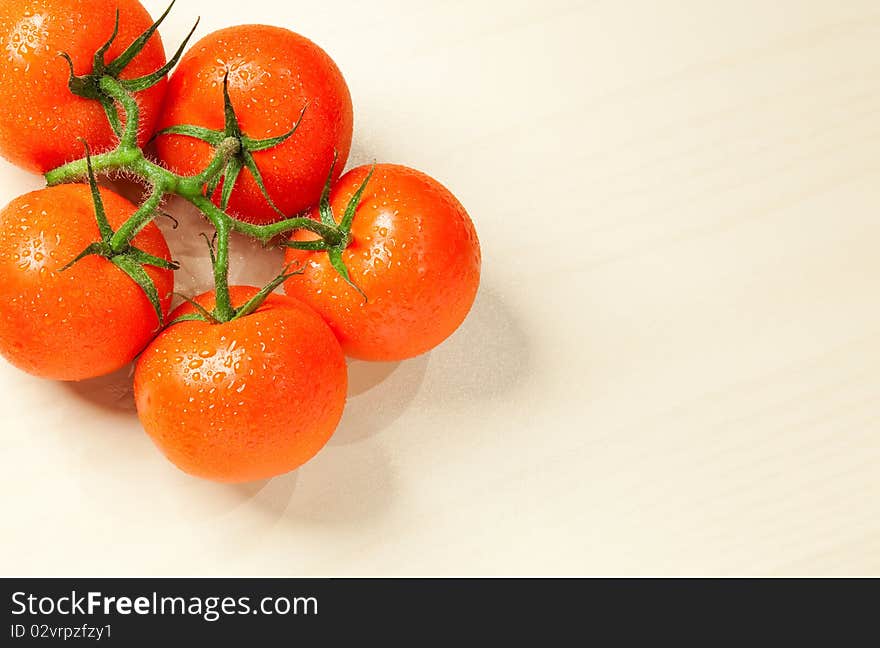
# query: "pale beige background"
{"type": "Point", "coordinates": [672, 367]}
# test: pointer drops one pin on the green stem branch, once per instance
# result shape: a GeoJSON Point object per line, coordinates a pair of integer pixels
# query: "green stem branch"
{"type": "Point", "coordinates": [128, 156]}
{"type": "Point", "coordinates": [227, 150]}
{"type": "Point", "coordinates": [129, 104]}
{"type": "Point", "coordinates": [223, 310]}
{"type": "Point", "coordinates": [141, 218]}
{"type": "Point", "coordinates": [77, 170]}
{"type": "Point", "coordinates": [265, 233]}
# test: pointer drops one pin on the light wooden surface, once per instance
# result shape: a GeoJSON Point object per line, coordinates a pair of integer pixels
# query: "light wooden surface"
{"type": "Point", "coordinates": [674, 363]}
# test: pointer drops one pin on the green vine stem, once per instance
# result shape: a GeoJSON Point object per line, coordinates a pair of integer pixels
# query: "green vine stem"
{"type": "Point", "coordinates": [115, 91]}
{"type": "Point", "coordinates": [144, 215]}
{"type": "Point", "coordinates": [130, 157]}
{"type": "Point", "coordinates": [232, 153]}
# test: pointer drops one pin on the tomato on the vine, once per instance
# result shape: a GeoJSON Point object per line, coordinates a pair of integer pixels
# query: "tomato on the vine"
{"type": "Point", "coordinates": [273, 75]}
{"type": "Point", "coordinates": [88, 320]}
{"type": "Point", "coordinates": [415, 255]}
{"type": "Point", "coordinates": [243, 384]}
{"type": "Point", "coordinates": [244, 400]}
{"type": "Point", "coordinates": [42, 122]}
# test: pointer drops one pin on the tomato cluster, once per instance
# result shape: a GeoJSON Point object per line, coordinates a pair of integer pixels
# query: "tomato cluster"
{"type": "Point", "coordinates": [253, 127]}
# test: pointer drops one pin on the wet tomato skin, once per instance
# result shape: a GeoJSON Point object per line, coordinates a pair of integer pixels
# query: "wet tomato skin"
{"type": "Point", "coordinates": [414, 252]}
{"type": "Point", "coordinates": [273, 74]}
{"type": "Point", "coordinates": [41, 121]}
{"type": "Point", "coordinates": [89, 320]}
{"type": "Point", "coordinates": [246, 400]}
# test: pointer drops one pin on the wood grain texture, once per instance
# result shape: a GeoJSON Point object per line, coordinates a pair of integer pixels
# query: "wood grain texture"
{"type": "Point", "coordinates": [672, 367]}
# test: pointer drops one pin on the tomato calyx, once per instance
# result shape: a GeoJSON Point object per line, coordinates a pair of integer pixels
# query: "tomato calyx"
{"type": "Point", "coordinates": [243, 158]}
{"type": "Point", "coordinates": [128, 258]}
{"type": "Point", "coordinates": [217, 314]}
{"type": "Point", "coordinates": [89, 86]}
{"type": "Point", "coordinates": [335, 247]}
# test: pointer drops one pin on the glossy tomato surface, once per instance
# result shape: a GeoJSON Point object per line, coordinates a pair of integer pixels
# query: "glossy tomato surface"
{"type": "Point", "coordinates": [41, 121]}
{"type": "Point", "coordinates": [89, 320]}
{"type": "Point", "coordinates": [273, 74]}
{"type": "Point", "coordinates": [416, 255]}
{"type": "Point", "coordinates": [246, 400]}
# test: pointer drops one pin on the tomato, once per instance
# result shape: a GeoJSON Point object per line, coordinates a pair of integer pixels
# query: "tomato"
{"type": "Point", "coordinates": [273, 74]}
{"type": "Point", "coordinates": [89, 320]}
{"type": "Point", "coordinates": [414, 253]}
{"type": "Point", "coordinates": [41, 121]}
{"type": "Point", "coordinates": [246, 400]}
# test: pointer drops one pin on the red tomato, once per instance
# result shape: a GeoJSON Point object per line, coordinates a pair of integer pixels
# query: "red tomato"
{"type": "Point", "coordinates": [246, 400]}
{"type": "Point", "coordinates": [41, 121]}
{"type": "Point", "coordinates": [273, 74]}
{"type": "Point", "coordinates": [89, 320]}
{"type": "Point", "coordinates": [415, 254]}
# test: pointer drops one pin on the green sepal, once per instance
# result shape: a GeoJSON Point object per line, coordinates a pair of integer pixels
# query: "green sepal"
{"type": "Point", "coordinates": [139, 275]}
{"type": "Point", "coordinates": [121, 62]}
{"type": "Point", "coordinates": [230, 177]}
{"type": "Point", "coordinates": [191, 317]}
{"type": "Point", "coordinates": [202, 314]}
{"type": "Point", "coordinates": [211, 189]}
{"type": "Point", "coordinates": [257, 300]}
{"type": "Point", "coordinates": [255, 145]}
{"type": "Point", "coordinates": [145, 258]}
{"type": "Point", "coordinates": [233, 128]}
{"type": "Point", "coordinates": [95, 249]}
{"type": "Point", "coordinates": [335, 255]}
{"type": "Point", "coordinates": [99, 67]}
{"type": "Point", "coordinates": [355, 202]}
{"type": "Point", "coordinates": [80, 86]}
{"type": "Point", "coordinates": [212, 137]}
{"type": "Point", "coordinates": [251, 165]}
{"type": "Point", "coordinates": [100, 214]}
{"type": "Point", "coordinates": [324, 205]}
{"type": "Point", "coordinates": [149, 80]}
